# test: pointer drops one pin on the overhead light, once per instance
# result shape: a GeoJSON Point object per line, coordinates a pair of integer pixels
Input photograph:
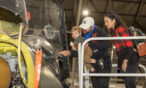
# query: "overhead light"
{"type": "Point", "coordinates": [85, 12]}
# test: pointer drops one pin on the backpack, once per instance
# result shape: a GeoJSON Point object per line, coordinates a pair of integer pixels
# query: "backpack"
{"type": "Point", "coordinates": [137, 30]}
{"type": "Point", "coordinates": [140, 45]}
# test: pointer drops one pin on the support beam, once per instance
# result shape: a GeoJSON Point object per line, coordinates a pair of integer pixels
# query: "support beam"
{"type": "Point", "coordinates": [94, 6]}
{"type": "Point", "coordinates": [127, 1]}
{"type": "Point", "coordinates": [79, 12]}
{"type": "Point", "coordinates": [99, 12]}
{"type": "Point", "coordinates": [122, 14]}
{"type": "Point", "coordinates": [68, 9]}
{"type": "Point", "coordinates": [107, 6]}
{"type": "Point", "coordinates": [75, 6]}
{"type": "Point", "coordinates": [138, 12]}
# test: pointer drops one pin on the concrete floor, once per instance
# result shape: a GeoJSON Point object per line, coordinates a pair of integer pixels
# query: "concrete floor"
{"type": "Point", "coordinates": [113, 84]}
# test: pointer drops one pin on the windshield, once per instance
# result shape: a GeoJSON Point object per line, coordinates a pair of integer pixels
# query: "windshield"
{"type": "Point", "coordinates": [45, 16]}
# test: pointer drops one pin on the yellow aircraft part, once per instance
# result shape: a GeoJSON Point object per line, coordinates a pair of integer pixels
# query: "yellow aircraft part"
{"type": "Point", "coordinates": [10, 45]}
{"type": "Point", "coordinates": [9, 27]}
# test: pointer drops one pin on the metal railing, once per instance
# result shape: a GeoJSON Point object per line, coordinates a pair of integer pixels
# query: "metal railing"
{"type": "Point", "coordinates": [81, 61]}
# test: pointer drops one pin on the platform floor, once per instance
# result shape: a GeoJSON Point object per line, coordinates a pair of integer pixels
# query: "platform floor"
{"type": "Point", "coordinates": [113, 84]}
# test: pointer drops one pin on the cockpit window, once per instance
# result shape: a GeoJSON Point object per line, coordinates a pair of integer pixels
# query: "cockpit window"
{"type": "Point", "coordinates": [45, 16]}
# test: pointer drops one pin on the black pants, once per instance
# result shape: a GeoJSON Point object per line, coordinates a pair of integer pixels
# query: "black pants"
{"type": "Point", "coordinates": [102, 82]}
{"type": "Point", "coordinates": [132, 67]}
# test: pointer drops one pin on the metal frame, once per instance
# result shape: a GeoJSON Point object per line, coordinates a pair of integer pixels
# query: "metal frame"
{"type": "Point", "coordinates": [81, 60]}
{"type": "Point", "coordinates": [73, 72]}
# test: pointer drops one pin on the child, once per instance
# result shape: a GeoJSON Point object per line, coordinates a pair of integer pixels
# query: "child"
{"type": "Point", "coordinates": [76, 35]}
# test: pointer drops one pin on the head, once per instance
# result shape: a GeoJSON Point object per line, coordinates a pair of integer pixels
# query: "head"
{"type": "Point", "coordinates": [76, 32]}
{"type": "Point", "coordinates": [112, 20]}
{"type": "Point", "coordinates": [87, 24]}
{"type": "Point", "coordinates": [135, 33]}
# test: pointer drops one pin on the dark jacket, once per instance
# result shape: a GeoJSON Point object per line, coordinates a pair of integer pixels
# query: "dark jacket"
{"type": "Point", "coordinates": [100, 51]}
{"type": "Point", "coordinates": [99, 46]}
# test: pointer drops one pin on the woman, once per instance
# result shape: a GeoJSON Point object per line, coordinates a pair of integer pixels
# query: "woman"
{"type": "Point", "coordinates": [127, 58]}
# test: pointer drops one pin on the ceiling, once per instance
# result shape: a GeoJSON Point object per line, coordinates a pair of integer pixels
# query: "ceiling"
{"type": "Point", "coordinates": [133, 12]}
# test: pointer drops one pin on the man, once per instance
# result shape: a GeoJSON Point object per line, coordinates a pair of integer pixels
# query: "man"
{"type": "Point", "coordinates": [99, 50]}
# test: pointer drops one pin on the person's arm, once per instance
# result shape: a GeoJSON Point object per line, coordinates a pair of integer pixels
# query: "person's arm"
{"type": "Point", "coordinates": [129, 44]}
{"type": "Point", "coordinates": [65, 53]}
{"type": "Point", "coordinates": [73, 53]}
{"type": "Point", "coordinates": [87, 56]}
{"type": "Point", "coordinates": [89, 66]}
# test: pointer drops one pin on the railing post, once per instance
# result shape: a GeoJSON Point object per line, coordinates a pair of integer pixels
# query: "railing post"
{"type": "Point", "coordinates": [79, 63]}
{"type": "Point", "coordinates": [81, 66]}
{"type": "Point", "coordinates": [86, 78]}
{"type": "Point", "coordinates": [73, 72]}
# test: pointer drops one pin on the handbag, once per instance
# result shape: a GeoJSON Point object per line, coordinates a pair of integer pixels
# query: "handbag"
{"type": "Point", "coordinates": [141, 49]}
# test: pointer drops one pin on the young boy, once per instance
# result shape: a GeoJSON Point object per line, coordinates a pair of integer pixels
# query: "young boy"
{"type": "Point", "coordinates": [76, 35]}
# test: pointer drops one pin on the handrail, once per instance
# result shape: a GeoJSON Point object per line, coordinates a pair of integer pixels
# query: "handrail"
{"type": "Point", "coordinates": [81, 60]}
{"type": "Point", "coordinates": [113, 65]}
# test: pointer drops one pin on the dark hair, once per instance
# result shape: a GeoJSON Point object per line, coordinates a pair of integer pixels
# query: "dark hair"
{"type": "Point", "coordinates": [119, 22]}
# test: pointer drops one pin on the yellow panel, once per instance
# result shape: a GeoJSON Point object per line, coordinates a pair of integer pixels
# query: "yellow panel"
{"type": "Point", "coordinates": [7, 41]}
{"type": "Point", "coordinates": [9, 27]}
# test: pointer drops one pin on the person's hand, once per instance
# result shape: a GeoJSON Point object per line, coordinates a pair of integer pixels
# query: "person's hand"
{"type": "Point", "coordinates": [92, 69]}
{"type": "Point", "coordinates": [71, 43]}
{"type": "Point", "coordinates": [61, 53]}
{"type": "Point", "coordinates": [86, 45]}
{"type": "Point", "coordinates": [134, 50]}
{"type": "Point", "coordinates": [93, 61]}
{"type": "Point", "coordinates": [124, 65]}
{"type": "Point", "coordinates": [74, 48]}
{"type": "Point", "coordinates": [65, 53]}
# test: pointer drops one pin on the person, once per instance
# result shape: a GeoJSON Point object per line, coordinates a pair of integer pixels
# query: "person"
{"type": "Point", "coordinates": [99, 52]}
{"type": "Point", "coordinates": [127, 58]}
{"type": "Point", "coordinates": [76, 35]}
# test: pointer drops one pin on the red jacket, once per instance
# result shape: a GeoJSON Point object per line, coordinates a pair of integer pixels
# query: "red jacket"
{"type": "Point", "coordinates": [122, 32]}
{"type": "Point", "coordinates": [124, 47]}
